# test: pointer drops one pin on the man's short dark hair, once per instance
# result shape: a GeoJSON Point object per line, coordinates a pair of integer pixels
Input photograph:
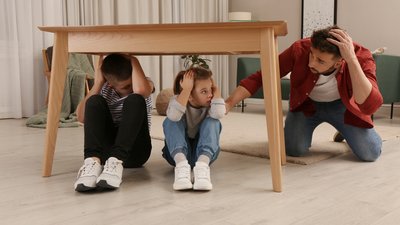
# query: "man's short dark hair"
{"type": "Point", "coordinates": [116, 67]}
{"type": "Point", "coordinates": [318, 41]}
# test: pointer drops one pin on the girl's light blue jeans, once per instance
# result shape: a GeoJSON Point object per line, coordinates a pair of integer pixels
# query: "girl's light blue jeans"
{"type": "Point", "coordinates": [365, 143]}
{"type": "Point", "coordinates": [206, 141]}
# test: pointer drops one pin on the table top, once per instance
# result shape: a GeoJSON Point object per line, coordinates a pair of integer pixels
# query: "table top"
{"type": "Point", "coordinates": [280, 27]}
{"type": "Point", "coordinates": [222, 38]}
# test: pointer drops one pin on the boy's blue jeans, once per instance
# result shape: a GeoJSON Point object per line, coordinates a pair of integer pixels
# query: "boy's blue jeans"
{"type": "Point", "coordinates": [206, 141]}
{"type": "Point", "coordinates": [365, 143]}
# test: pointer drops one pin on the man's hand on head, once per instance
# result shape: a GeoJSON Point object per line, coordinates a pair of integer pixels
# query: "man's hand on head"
{"type": "Point", "coordinates": [344, 43]}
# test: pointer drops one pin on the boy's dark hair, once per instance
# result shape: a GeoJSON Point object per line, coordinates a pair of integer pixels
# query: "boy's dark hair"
{"type": "Point", "coordinates": [116, 67]}
{"type": "Point", "coordinates": [318, 41]}
{"type": "Point", "coordinates": [200, 73]}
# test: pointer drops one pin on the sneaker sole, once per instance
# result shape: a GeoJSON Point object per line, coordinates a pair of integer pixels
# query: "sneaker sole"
{"type": "Point", "coordinates": [182, 188]}
{"type": "Point", "coordinates": [202, 188]}
{"type": "Point", "coordinates": [83, 188]}
{"type": "Point", "coordinates": [104, 184]}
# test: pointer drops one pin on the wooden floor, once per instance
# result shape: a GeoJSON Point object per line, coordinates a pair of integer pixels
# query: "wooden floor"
{"type": "Point", "coordinates": [336, 191]}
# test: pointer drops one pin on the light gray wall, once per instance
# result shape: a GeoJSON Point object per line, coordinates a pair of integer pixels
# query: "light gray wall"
{"type": "Point", "coordinates": [264, 10]}
{"type": "Point", "coordinates": [267, 10]}
{"type": "Point", "coordinates": [371, 23]}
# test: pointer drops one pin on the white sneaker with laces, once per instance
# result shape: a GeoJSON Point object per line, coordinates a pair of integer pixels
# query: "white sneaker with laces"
{"type": "Point", "coordinates": [87, 175]}
{"type": "Point", "coordinates": [111, 177]}
{"type": "Point", "coordinates": [202, 180]}
{"type": "Point", "coordinates": [182, 176]}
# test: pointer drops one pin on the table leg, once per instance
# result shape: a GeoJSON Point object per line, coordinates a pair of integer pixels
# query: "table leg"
{"type": "Point", "coordinates": [56, 91]}
{"type": "Point", "coordinates": [279, 91]}
{"type": "Point", "coordinates": [273, 108]}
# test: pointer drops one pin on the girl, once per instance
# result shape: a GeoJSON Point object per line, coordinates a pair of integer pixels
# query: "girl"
{"type": "Point", "coordinates": [192, 128]}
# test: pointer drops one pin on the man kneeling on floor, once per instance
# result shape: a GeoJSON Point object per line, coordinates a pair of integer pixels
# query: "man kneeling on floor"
{"type": "Point", "coordinates": [332, 80]}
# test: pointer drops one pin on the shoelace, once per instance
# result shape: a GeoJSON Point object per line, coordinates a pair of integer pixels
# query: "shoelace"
{"type": "Point", "coordinates": [111, 166]}
{"type": "Point", "coordinates": [202, 172]}
{"type": "Point", "coordinates": [86, 169]}
{"type": "Point", "coordinates": [183, 173]}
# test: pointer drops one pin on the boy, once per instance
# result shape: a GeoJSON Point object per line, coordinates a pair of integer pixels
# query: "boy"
{"type": "Point", "coordinates": [116, 117]}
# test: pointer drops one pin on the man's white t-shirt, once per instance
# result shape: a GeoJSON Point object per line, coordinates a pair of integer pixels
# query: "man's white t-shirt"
{"type": "Point", "coordinates": [325, 90]}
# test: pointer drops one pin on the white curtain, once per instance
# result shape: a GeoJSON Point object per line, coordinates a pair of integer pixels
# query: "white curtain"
{"type": "Point", "coordinates": [23, 88]}
{"type": "Point", "coordinates": [106, 12]}
{"type": "Point", "coordinates": [23, 85]}
{"type": "Point", "coordinates": [195, 11]}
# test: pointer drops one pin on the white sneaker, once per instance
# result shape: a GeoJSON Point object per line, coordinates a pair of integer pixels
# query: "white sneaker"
{"type": "Point", "coordinates": [87, 175]}
{"type": "Point", "coordinates": [202, 180]}
{"type": "Point", "coordinates": [182, 176]}
{"type": "Point", "coordinates": [111, 177]}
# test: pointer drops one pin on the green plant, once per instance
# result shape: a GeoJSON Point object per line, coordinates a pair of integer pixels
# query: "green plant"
{"type": "Point", "coordinates": [195, 61]}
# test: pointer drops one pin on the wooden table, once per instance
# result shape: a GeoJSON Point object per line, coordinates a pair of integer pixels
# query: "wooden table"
{"type": "Point", "coordinates": [174, 39]}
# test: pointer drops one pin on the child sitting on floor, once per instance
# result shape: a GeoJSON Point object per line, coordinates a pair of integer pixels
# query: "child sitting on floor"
{"type": "Point", "coordinates": [192, 128]}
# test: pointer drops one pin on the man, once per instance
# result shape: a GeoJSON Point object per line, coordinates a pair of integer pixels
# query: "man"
{"type": "Point", "coordinates": [332, 80]}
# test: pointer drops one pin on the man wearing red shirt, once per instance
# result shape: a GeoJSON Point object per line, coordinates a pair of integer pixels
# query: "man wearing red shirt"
{"type": "Point", "coordinates": [332, 80]}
